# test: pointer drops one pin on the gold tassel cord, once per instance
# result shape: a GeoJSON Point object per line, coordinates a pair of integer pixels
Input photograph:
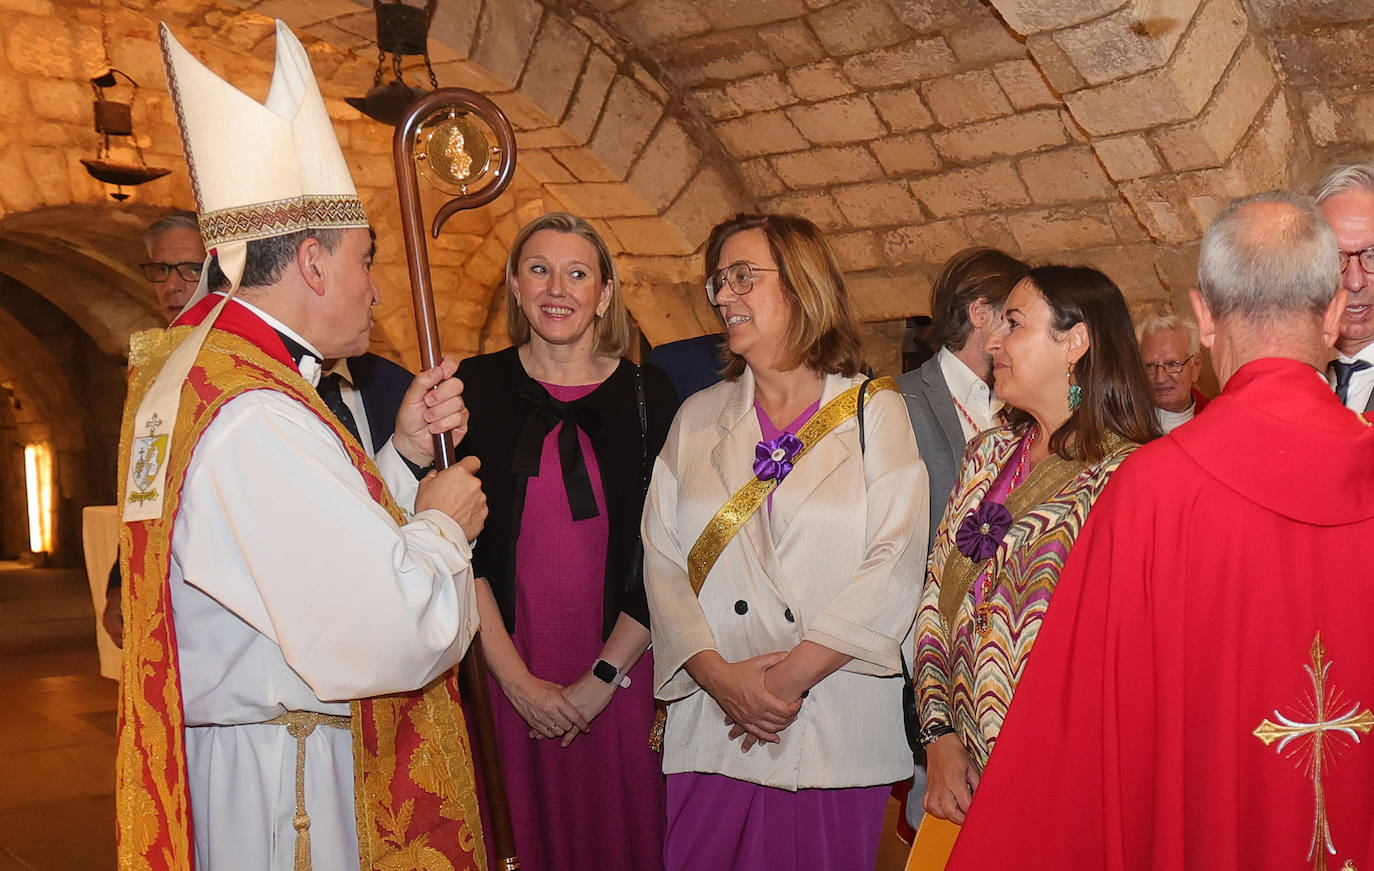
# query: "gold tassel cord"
{"type": "Point", "coordinates": [299, 724]}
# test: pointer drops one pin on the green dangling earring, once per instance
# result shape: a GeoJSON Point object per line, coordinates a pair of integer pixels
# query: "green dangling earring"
{"type": "Point", "coordinates": [1075, 393]}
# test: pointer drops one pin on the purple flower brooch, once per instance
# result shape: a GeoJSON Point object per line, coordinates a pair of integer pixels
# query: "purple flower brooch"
{"type": "Point", "coordinates": [982, 530]}
{"type": "Point", "coordinates": [773, 459]}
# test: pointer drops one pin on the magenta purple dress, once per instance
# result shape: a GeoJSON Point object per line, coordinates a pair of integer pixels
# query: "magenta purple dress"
{"type": "Point", "coordinates": [597, 805]}
{"type": "Point", "coordinates": [718, 823]}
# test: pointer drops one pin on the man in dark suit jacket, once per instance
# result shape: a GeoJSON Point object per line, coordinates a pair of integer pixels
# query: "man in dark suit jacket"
{"type": "Point", "coordinates": [1346, 197]}
{"type": "Point", "coordinates": [372, 388]}
{"type": "Point", "coordinates": [950, 396]}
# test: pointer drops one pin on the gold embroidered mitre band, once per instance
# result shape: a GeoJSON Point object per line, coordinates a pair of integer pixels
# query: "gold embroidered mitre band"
{"type": "Point", "coordinates": [284, 216]}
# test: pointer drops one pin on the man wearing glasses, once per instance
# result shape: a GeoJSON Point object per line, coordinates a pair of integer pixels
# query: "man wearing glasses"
{"type": "Point", "coordinates": [1346, 197]}
{"type": "Point", "coordinates": [1173, 362]}
{"type": "Point", "coordinates": [175, 258]}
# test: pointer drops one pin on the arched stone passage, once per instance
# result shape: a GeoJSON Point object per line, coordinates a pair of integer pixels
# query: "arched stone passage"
{"type": "Point", "coordinates": [61, 390]}
{"type": "Point", "coordinates": [83, 259]}
{"type": "Point", "coordinates": [70, 295]}
{"type": "Point", "coordinates": [1095, 131]}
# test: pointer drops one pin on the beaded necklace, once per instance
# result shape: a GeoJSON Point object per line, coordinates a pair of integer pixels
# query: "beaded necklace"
{"type": "Point", "coordinates": [1021, 461]}
{"type": "Point", "coordinates": [959, 406]}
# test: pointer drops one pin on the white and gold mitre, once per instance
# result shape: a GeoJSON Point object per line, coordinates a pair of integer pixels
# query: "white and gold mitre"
{"type": "Point", "coordinates": [259, 170]}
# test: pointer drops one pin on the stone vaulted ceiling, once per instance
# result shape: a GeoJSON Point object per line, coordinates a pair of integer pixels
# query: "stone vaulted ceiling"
{"type": "Point", "coordinates": [1095, 131]}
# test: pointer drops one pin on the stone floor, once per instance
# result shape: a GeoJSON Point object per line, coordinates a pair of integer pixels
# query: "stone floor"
{"type": "Point", "coordinates": [57, 723]}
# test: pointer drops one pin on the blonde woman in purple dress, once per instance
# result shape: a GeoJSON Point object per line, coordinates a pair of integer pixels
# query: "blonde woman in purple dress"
{"type": "Point", "coordinates": [566, 429]}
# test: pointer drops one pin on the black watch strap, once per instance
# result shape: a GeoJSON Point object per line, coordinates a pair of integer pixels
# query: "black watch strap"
{"type": "Point", "coordinates": [930, 733]}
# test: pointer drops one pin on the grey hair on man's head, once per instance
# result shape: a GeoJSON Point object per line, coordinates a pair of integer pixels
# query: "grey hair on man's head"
{"type": "Point", "coordinates": [178, 220]}
{"type": "Point", "coordinates": [1344, 177]}
{"type": "Point", "coordinates": [1156, 323]}
{"type": "Point", "coordinates": [1268, 254]}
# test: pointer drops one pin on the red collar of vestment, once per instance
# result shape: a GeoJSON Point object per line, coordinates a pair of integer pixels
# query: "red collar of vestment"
{"type": "Point", "coordinates": [1279, 437]}
{"type": "Point", "coordinates": [240, 321]}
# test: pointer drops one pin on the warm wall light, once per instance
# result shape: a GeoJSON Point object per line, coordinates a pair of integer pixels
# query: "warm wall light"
{"type": "Point", "coordinates": [38, 476]}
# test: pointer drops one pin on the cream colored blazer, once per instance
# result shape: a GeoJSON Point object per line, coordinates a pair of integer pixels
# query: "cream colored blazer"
{"type": "Point", "coordinates": [839, 562]}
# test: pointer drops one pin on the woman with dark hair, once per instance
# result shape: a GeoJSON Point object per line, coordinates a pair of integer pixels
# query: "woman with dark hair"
{"type": "Point", "coordinates": [566, 430]}
{"type": "Point", "coordinates": [1065, 358]}
{"type": "Point", "coordinates": [783, 532]}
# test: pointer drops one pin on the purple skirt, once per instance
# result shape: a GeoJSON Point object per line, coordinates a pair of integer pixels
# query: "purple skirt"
{"type": "Point", "coordinates": [717, 823]}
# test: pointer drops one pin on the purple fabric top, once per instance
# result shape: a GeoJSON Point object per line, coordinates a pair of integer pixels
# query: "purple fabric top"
{"type": "Point", "coordinates": [564, 801]}
{"type": "Point", "coordinates": [771, 432]}
{"type": "Point", "coordinates": [999, 491]}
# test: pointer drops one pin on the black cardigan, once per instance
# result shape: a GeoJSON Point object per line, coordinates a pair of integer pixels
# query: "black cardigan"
{"type": "Point", "coordinates": [492, 390]}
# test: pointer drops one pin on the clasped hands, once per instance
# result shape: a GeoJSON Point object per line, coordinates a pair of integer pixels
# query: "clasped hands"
{"type": "Point", "coordinates": [759, 698]}
{"type": "Point", "coordinates": [561, 712]}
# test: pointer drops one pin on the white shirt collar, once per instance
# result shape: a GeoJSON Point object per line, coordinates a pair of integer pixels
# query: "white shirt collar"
{"type": "Point", "coordinates": [1366, 353]}
{"type": "Point", "coordinates": [1169, 420]}
{"type": "Point", "coordinates": [972, 392]}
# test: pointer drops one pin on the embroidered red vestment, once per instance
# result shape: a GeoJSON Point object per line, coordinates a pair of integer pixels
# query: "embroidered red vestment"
{"type": "Point", "coordinates": [414, 785]}
{"type": "Point", "coordinates": [1200, 697]}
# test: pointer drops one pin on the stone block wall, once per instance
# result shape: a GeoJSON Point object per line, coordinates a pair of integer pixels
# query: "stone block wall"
{"type": "Point", "coordinates": [1097, 131]}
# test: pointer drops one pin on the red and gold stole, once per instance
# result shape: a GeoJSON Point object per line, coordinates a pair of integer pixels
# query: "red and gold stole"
{"type": "Point", "coordinates": [413, 777]}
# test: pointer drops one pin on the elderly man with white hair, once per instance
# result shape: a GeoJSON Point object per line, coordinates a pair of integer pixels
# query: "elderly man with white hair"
{"type": "Point", "coordinates": [1200, 690]}
{"type": "Point", "coordinates": [1346, 197]}
{"type": "Point", "coordinates": [1172, 352]}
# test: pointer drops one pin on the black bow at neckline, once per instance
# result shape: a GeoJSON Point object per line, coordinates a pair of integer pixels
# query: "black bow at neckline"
{"type": "Point", "coordinates": [529, 446]}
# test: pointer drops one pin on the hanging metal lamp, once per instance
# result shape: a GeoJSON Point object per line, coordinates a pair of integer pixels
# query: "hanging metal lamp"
{"type": "Point", "coordinates": [401, 30]}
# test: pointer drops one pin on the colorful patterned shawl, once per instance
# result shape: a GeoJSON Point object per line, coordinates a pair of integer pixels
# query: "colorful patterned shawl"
{"type": "Point", "coordinates": [965, 677]}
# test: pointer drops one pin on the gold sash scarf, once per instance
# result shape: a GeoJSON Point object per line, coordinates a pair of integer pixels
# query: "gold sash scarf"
{"type": "Point", "coordinates": [741, 506]}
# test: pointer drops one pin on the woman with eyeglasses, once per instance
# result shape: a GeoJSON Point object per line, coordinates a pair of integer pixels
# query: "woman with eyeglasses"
{"type": "Point", "coordinates": [1065, 358]}
{"type": "Point", "coordinates": [784, 534]}
{"type": "Point", "coordinates": [566, 429]}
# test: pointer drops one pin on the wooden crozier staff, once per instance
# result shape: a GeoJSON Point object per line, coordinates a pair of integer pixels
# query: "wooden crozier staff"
{"type": "Point", "coordinates": [436, 138]}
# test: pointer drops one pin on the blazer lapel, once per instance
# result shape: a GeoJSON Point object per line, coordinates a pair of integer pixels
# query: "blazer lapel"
{"type": "Point", "coordinates": [733, 458]}
{"type": "Point", "coordinates": [942, 403]}
{"type": "Point", "coordinates": [737, 425]}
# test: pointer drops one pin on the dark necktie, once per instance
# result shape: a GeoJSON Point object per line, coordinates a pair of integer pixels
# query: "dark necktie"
{"type": "Point", "coordinates": [332, 394]}
{"type": "Point", "coordinates": [1344, 372]}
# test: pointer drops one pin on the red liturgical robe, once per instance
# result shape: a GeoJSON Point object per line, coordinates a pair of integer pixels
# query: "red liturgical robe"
{"type": "Point", "coordinates": [1202, 691]}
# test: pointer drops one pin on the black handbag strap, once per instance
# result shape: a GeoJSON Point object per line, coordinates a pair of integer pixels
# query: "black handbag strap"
{"type": "Point", "coordinates": [901, 652]}
{"type": "Point", "coordinates": [859, 411]}
{"type": "Point", "coordinates": [643, 430]}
